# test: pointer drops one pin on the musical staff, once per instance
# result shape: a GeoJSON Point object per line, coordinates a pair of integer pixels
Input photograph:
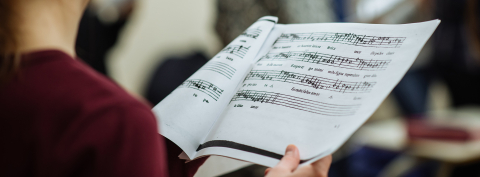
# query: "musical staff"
{"type": "Point", "coordinates": [220, 68]}
{"type": "Point", "coordinates": [237, 50]}
{"type": "Point", "coordinates": [204, 86]}
{"type": "Point", "coordinates": [344, 38]}
{"type": "Point", "coordinates": [334, 85]}
{"type": "Point", "coordinates": [252, 33]}
{"type": "Point", "coordinates": [329, 60]}
{"type": "Point", "coordinates": [295, 103]}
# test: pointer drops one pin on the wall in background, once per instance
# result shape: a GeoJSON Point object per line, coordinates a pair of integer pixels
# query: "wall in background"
{"type": "Point", "coordinates": [157, 29]}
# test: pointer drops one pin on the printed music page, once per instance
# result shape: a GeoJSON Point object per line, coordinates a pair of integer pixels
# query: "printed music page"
{"type": "Point", "coordinates": [188, 113]}
{"type": "Point", "coordinates": [313, 85]}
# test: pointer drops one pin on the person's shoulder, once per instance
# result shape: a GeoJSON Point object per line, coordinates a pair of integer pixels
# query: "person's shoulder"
{"type": "Point", "coordinates": [52, 81]}
{"type": "Point", "coordinates": [91, 89]}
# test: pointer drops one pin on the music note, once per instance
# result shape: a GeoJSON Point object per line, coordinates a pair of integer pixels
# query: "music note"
{"type": "Point", "coordinates": [328, 60]}
{"type": "Point", "coordinates": [311, 81]}
{"type": "Point", "coordinates": [344, 38]}
{"type": "Point", "coordinates": [237, 50]}
{"type": "Point", "coordinates": [204, 86]}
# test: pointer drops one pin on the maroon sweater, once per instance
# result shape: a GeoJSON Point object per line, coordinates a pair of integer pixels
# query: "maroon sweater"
{"type": "Point", "coordinates": [59, 118]}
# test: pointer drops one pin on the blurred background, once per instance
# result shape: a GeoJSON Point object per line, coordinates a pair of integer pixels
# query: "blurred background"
{"type": "Point", "coordinates": [428, 126]}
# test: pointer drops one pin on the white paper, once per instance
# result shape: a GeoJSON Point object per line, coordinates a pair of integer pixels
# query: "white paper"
{"type": "Point", "coordinates": [188, 113]}
{"type": "Point", "coordinates": [312, 85]}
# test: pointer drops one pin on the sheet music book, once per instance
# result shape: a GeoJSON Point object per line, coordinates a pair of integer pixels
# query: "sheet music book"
{"type": "Point", "coordinates": [312, 85]}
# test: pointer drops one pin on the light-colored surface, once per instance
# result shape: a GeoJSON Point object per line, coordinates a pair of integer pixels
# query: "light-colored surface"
{"type": "Point", "coordinates": [160, 28]}
{"type": "Point", "coordinates": [387, 134]}
{"type": "Point", "coordinates": [217, 165]}
{"type": "Point", "coordinates": [391, 134]}
{"type": "Point", "coordinates": [368, 10]}
{"type": "Point", "coordinates": [381, 11]}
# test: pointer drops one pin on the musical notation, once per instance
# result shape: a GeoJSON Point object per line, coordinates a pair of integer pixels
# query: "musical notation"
{"type": "Point", "coordinates": [316, 82]}
{"type": "Point", "coordinates": [344, 38]}
{"type": "Point", "coordinates": [237, 50]}
{"type": "Point", "coordinates": [204, 86]}
{"type": "Point", "coordinates": [329, 60]}
{"type": "Point", "coordinates": [295, 103]}
{"type": "Point", "coordinates": [220, 68]}
{"type": "Point", "coordinates": [252, 33]}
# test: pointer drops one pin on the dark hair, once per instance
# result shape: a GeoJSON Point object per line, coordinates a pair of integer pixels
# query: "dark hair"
{"type": "Point", "coordinates": [10, 59]}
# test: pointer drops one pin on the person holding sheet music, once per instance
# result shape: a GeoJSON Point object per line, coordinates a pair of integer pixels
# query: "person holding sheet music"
{"type": "Point", "coordinates": [61, 118]}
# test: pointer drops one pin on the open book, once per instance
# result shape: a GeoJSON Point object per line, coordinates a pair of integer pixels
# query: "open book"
{"type": "Point", "coordinates": [312, 85]}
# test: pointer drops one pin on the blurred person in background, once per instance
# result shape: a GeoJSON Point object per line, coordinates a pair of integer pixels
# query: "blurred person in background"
{"type": "Point", "coordinates": [456, 57]}
{"type": "Point", "coordinates": [99, 29]}
{"type": "Point", "coordinates": [451, 56]}
{"type": "Point", "coordinates": [59, 117]}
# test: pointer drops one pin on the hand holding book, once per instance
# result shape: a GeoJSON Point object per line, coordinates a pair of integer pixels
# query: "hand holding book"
{"type": "Point", "coordinates": [288, 166]}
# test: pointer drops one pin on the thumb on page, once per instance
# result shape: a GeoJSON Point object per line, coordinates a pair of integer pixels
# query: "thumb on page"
{"type": "Point", "coordinates": [288, 163]}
